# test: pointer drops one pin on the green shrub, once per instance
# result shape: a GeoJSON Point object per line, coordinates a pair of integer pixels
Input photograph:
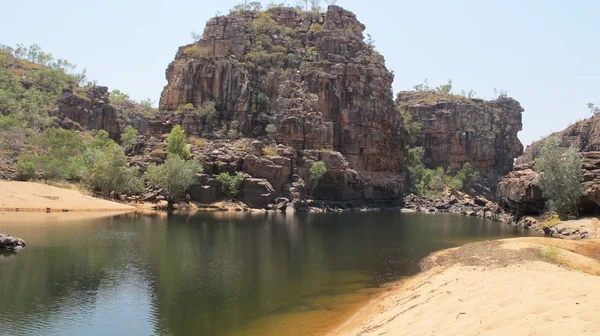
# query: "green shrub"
{"type": "Point", "coordinates": [317, 171]}
{"type": "Point", "coordinates": [109, 172]}
{"type": "Point", "coordinates": [174, 176]}
{"type": "Point", "coordinates": [560, 177]}
{"type": "Point", "coordinates": [230, 184]}
{"type": "Point", "coordinates": [56, 153]}
{"type": "Point", "coordinates": [26, 171]}
{"type": "Point", "coordinates": [176, 143]}
{"type": "Point", "coordinates": [128, 137]}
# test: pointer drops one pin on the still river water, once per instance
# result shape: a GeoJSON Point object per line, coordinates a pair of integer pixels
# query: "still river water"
{"type": "Point", "coordinates": [212, 273]}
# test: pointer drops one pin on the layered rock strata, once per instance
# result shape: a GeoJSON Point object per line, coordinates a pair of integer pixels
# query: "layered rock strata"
{"type": "Point", "coordinates": [324, 93]}
{"type": "Point", "coordinates": [456, 130]}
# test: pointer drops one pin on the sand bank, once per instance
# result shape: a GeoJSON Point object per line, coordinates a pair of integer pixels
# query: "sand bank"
{"type": "Point", "coordinates": [524, 286]}
{"type": "Point", "coordinates": [29, 196]}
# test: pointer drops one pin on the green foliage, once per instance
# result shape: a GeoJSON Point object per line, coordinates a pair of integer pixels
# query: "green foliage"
{"type": "Point", "coordinates": [101, 140]}
{"type": "Point", "coordinates": [56, 153]}
{"type": "Point", "coordinates": [271, 130]}
{"type": "Point", "coordinates": [560, 177]}
{"type": "Point", "coordinates": [176, 143]}
{"type": "Point", "coordinates": [128, 137]}
{"type": "Point", "coordinates": [109, 171]}
{"type": "Point", "coordinates": [445, 88]}
{"type": "Point", "coordinates": [422, 86]}
{"type": "Point", "coordinates": [412, 127]}
{"type": "Point", "coordinates": [174, 176]}
{"type": "Point", "coordinates": [317, 171]}
{"type": "Point", "coordinates": [230, 184]}
{"type": "Point", "coordinates": [247, 6]}
{"type": "Point", "coordinates": [419, 177]}
{"type": "Point", "coordinates": [30, 82]}
{"type": "Point", "coordinates": [595, 110]}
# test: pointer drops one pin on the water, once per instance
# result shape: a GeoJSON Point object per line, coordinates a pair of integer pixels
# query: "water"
{"type": "Point", "coordinates": [212, 273]}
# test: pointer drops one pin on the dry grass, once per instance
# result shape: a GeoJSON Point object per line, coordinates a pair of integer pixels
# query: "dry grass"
{"type": "Point", "coordinates": [270, 151]}
{"type": "Point", "coordinates": [200, 143]}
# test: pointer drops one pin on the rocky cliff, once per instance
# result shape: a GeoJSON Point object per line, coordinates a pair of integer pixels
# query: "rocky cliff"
{"type": "Point", "coordinates": [518, 191]}
{"type": "Point", "coordinates": [456, 130]}
{"type": "Point", "coordinates": [91, 108]}
{"type": "Point", "coordinates": [584, 136]}
{"type": "Point", "coordinates": [307, 78]}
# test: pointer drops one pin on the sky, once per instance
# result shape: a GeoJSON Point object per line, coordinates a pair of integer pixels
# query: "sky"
{"type": "Point", "coordinates": [544, 53]}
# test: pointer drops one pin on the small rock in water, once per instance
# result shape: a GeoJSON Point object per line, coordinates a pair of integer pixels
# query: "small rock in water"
{"type": "Point", "coordinates": [11, 243]}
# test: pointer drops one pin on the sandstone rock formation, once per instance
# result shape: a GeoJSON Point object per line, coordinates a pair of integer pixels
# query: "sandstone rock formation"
{"type": "Point", "coordinates": [93, 110]}
{"type": "Point", "coordinates": [584, 136]}
{"type": "Point", "coordinates": [518, 191]}
{"type": "Point", "coordinates": [311, 75]}
{"type": "Point", "coordinates": [456, 130]}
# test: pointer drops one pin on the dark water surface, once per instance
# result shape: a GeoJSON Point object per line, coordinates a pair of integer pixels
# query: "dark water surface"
{"type": "Point", "coordinates": [212, 273]}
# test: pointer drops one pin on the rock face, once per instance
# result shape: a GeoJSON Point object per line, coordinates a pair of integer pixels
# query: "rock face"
{"type": "Point", "coordinates": [584, 136]}
{"type": "Point", "coordinates": [518, 191]}
{"type": "Point", "coordinates": [324, 91]}
{"type": "Point", "coordinates": [93, 110]}
{"type": "Point", "coordinates": [456, 130]}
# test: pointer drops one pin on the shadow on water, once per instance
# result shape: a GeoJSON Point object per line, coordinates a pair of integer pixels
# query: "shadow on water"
{"type": "Point", "coordinates": [214, 273]}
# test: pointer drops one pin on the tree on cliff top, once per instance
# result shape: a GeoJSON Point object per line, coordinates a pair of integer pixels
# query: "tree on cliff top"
{"type": "Point", "coordinates": [560, 177]}
{"type": "Point", "coordinates": [176, 143]}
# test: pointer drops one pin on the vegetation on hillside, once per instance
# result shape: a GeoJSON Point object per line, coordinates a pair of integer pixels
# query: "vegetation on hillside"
{"type": "Point", "coordinates": [58, 154]}
{"type": "Point", "coordinates": [31, 81]}
{"type": "Point", "coordinates": [560, 177]}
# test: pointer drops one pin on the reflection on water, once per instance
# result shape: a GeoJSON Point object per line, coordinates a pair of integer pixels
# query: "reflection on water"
{"type": "Point", "coordinates": [215, 273]}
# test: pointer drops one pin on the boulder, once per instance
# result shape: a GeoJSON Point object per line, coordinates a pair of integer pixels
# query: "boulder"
{"type": "Point", "coordinates": [519, 192]}
{"type": "Point", "coordinates": [257, 193]}
{"type": "Point", "coordinates": [8, 242]}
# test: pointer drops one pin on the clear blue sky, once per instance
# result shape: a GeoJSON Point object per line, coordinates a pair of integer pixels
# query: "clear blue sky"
{"type": "Point", "coordinates": [543, 52]}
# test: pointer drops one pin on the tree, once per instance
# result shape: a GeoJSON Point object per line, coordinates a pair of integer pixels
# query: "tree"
{"type": "Point", "coordinates": [317, 171]}
{"type": "Point", "coordinates": [595, 110]}
{"type": "Point", "coordinates": [230, 184]}
{"type": "Point", "coordinates": [560, 177]}
{"type": "Point", "coordinates": [174, 176]}
{"type": "Point", "coordinates": [176, 143]}
{"type": "Point", "coordinates": [445, 88]}
{"type": "Point", "coordinates": [128, 137]}
{"type": "Point", "coordinates": [109, 172]}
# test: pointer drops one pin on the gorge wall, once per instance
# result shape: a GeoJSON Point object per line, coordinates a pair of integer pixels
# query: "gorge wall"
{"type": "Point", "coordinates": [519, 192]}
{"type": "Point", "coordinates": [312, 79]}
{"type": "Point", "coordinates": [456, 130]}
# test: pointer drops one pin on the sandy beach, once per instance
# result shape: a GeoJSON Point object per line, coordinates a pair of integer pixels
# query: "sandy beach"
{"type": "Point", "coordinates": [523, 286]}
{"type": "Point", "coordinates": [29, 196]}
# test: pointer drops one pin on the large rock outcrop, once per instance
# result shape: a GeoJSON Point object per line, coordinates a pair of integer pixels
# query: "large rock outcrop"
{"type": "Point", "coordinates": [584, 136]}
{"type": "Point", "coordinates": [519, 193]}
{"type": "Point", "coordinates": [312, 79]}
{"type": "Point", "coordinates": [91, 108]}
{"type": "Point", "coordinates": [456, 130]}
